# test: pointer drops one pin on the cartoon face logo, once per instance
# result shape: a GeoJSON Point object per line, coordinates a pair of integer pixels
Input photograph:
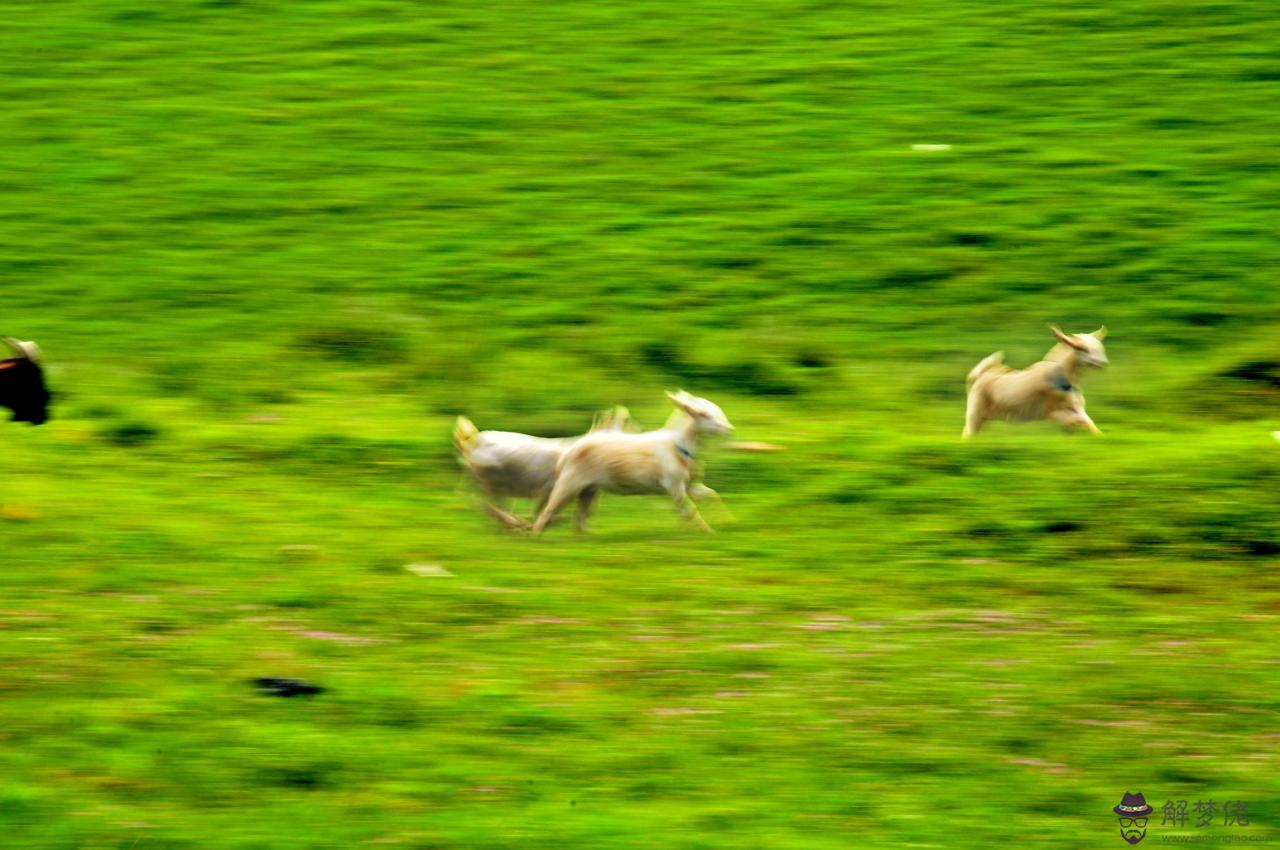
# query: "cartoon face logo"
{"type": "Point", "coordinates": [1133, 812]}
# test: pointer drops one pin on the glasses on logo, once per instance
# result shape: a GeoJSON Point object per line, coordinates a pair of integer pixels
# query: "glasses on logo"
{"type": "Point", "coordinates": [1128, 822]}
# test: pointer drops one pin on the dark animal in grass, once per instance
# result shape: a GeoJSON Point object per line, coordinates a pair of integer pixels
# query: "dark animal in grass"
{"type": "Point", "coordinates": [22, 387]}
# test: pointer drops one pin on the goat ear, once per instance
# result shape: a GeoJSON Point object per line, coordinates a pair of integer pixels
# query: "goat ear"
{"type": "Point", "coordinates": [1065, 339]}
{"type": "Point", "coordinates": [682, 400]}
{"type": "Point", "coordinates": [1100, 334]}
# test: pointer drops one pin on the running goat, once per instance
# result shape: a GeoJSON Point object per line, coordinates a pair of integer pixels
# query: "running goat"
{"type": "Point", "coordinates": [507, 465]}
{"type": "Point", "coordinates": [653, 462]}
{"type": "Point", "coordinates": [1044, 390]}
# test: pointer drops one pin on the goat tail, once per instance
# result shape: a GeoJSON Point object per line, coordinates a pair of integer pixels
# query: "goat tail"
{"type": "Point", "coordinates": [989, 362]}
{"type": "Point", "coordinates": [616, 418]}
{"type": "Point", "coordinates": [464, 435]}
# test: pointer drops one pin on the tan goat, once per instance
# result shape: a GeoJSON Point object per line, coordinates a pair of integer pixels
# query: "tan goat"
{"type": "Point", "coordinates": [659, 461]}
{"type": "Point", "coordinates": [506, 465]}
{"type": "Point", "coordinates": [1044, 390]}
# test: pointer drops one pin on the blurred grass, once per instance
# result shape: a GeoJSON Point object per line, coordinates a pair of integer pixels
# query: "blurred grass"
{"type": "Point", "coordinates": [271, 249]}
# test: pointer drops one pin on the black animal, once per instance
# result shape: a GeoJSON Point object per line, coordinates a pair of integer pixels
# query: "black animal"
{"type": "Point", "coordinates": [22, 387]}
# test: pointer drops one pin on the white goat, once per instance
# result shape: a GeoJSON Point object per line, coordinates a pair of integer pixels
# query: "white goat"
{"type": "Point", "coordinates": [1044, 390]}
{"type": "Point", "coordinates": [652, 462]}
{"type": "Point", "coordinates": [507, 465]}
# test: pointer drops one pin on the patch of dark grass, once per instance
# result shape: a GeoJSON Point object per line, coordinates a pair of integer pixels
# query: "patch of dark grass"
{"type": "Point", "coordinates": [756, 377]}
{"type": "Point", "coordinates": [345, 450]}
{"type": "Point", "coordinates": [131, 434]}
{"type": "Point", "coordinates": [1263, 373]}
{"type": "Point", "coordinates": [362, 345]}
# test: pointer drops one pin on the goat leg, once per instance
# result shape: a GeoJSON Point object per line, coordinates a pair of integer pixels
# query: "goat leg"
{"type": "Point", "coordinates": [586, 503]}
{"type": "Point", "coordinates": [686, 507]}
{"type": "Point", "coordinates": [505, 517]}
{"type": "Point", "coordinates": [560, 494]}
{"type": "Point", "coordinates": [698, 492]}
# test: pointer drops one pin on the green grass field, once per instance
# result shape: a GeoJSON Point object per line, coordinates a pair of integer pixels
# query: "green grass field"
{"type": "Point", "coordinates": [272, 249]}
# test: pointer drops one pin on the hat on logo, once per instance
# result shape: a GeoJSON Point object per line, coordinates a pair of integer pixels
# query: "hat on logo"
{"type": "Point", "coordinates": [1133, 806]}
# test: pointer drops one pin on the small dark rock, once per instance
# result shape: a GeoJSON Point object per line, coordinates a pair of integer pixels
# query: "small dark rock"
{"type": "Point", "coordinates": [287, 687]}
{"type": "Point", "coordinates": [972, 238]}
{"type": "Point", "coordinates": [812, 360]}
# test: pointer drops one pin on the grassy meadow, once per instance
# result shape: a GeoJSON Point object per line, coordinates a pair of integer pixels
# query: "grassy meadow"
{"type": "Point", "coordinates": [271, 249]}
